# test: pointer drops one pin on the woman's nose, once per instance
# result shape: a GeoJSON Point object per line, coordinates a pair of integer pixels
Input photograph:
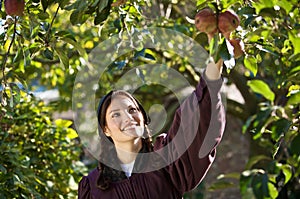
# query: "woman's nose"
{"type": "Point", "coordinates": [128, 116]}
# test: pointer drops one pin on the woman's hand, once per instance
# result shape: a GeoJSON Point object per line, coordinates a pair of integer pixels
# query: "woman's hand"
{"type": "Point", "coordinates": [214, 70]}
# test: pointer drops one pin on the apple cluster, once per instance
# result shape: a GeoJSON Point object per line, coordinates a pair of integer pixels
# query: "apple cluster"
{"type": "Point", "coordinates": [14, 7]}
{"type": "Point", "coordinates": [225, 23]}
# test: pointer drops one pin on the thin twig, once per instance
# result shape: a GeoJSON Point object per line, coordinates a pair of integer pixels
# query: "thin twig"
{"type": "Point", "coordinates": [51, 24]}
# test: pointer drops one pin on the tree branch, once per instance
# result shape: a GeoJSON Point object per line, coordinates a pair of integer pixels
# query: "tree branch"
{"type": "Point", "coordinates": [236, 109]}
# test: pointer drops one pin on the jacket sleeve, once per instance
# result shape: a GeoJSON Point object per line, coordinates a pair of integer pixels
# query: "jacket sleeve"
{"type": "Point", "coordinates": [84, 189]}
{"type": "Point", "coordinates": [190, 144]}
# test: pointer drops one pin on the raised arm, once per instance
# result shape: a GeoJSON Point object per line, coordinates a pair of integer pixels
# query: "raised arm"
{"type": "Point", "coordinates": [196, 130]}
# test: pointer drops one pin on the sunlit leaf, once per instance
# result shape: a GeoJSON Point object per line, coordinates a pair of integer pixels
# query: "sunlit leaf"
{"type": "Point", "coordinates": [295, 41]}
{"type": "Point", "coordinates": [251, 64]}
{"type": "Point", "coordinates": [76, 45]}
{"type": "Point", "coordinates": [287, 171]}
{"type": "Point", "coordinates": [71, 133]}
{"type": "Point", "coordinates": [294, 99]}
{"type": "Point", "coordinates": [273, 192]}
{"type": "Point", "coordinates": [200, 2]}
{"type": "Point", "coordinates": [78, 17]}
{"type": "Point", "coordinates": [260, 87]}
{"type": "Point", "coordinates": [286, 5]}
{"type": "Point", "coordinates": [62, 57]}
{"type": "Point", "coordinates": [263, 4]}
{"type": "Point", "coordinates": [63, 123]}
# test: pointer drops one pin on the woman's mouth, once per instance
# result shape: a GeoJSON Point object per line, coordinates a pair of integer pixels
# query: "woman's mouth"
{"type": "Point", "coordinates": [129, 127]}
{"type": "Point", "coordinates": [133, 130]}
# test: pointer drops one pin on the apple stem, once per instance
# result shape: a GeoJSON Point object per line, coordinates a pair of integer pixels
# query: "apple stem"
{"type": "Point", "coordinates": [8, 50]}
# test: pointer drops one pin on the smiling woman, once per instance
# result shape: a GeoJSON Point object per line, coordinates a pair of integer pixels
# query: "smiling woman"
{"type": "Point", "coordinates": [126, 141]}
{"type": "Point", "coordinates": [124, 124]}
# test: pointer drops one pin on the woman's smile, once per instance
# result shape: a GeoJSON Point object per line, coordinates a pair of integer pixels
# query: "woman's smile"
{"type": "Point", "coordinates": [130, 126]}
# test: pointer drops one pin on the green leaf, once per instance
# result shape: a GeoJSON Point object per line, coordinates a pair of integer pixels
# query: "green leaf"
{"type": "Point", "coordinates": [223, 51]}
{"type": "Point", "coordinates": [260, 185]}
{"type": "Point", "coordinates": [279, 128]}
{"type": "Point", "coordinates": [295, 41]}
{"type": "Point", "coordinates": [251, 63]}
{"type": "Point", "coordinates": [102, 16]}
{"type": "Point", "coordinates": [64, 59]}
{"type": "Point", "coordinates": [227, 54]}
{"type": "Point", "coordinates": [213, 48]}
{"type": "Point", "coordinates": [295, 149]}
{"type": "Point", "coordinates": [259, 5]}
{"type": "Point", "coordinates": [273, 192]}
{"type": "Point", "coordinates": [294, 99]}
{"type": "Point", "coordinates": [44, 5]}
{"type": "Point", "coordinates": [260, 87]}
{"type": "Point", "coordinates": [63, 123]}
{"type": "Point", "coordinates": [3, 169]}
{"type": "Point", "coordinates": [260, 122]}
{"type": "Point", "coordinates": [78, 17]}
{"type": "Point", "coordinates": [286, 170]}
{"type": "Point", "coordinates": [48, 54]}
{"type": "Point", "coordinates": [76, 45]}
{"type": "Point", "coordinates": [71, 133]}
{"type": "Point", "coordinates": [286, 5]}
{"type": "Point", "coordinates": [102, 5]}
{"type": "Point", "coordinates": [245, 182]}
{"type": "Point", "coordinates": [200, 2]}
{"type": "Point", "coordinates": [294, 70]}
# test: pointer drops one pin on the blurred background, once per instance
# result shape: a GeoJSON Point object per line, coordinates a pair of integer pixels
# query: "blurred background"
{"type": "Point", "coordinates": [45, 44]}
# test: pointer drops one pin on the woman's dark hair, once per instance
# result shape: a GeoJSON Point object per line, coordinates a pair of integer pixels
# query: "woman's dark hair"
{"type": "Point", "coordinates": [103, 181]}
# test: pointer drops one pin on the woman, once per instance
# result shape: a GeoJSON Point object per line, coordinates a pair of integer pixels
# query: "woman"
{"type": "Point", "coordinates": [182, 156]}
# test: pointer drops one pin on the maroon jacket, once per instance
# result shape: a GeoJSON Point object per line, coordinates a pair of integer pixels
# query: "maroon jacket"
{"type": "Point", "coordinates": [197, 131]}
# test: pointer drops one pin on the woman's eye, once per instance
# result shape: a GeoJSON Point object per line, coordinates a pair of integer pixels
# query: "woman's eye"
{"type": "Point", "coordinates": [132, 110]}
{"type": "Point", "coordinates": [115, 115]}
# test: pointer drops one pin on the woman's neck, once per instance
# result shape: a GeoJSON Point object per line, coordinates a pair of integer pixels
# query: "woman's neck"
{"type": "Point", "coordinates": [127, 152]}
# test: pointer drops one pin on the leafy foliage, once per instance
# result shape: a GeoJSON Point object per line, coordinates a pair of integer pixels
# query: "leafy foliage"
{"type": "Point", "coordinates": [48, 46]}
{"type": "Point", "coordinates": [39, 158]}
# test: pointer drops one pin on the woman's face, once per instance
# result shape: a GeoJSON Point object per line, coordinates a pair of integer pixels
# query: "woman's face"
{"type": "Point", "coordinates": [124, 121]}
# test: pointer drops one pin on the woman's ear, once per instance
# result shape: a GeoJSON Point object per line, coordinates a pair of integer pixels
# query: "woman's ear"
{"type": "Point", "coordinates": [106, 132]}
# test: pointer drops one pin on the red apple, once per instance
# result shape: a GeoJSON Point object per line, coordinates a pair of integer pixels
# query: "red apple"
{"type": "Point", "coordinates": [206, 21]}
{"type": "Point", "coordinates": [14, 7]}
{"type": "Point", "coordinates": [228, 21]}
{"type": "Point", "coordinates": [238, 47]}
